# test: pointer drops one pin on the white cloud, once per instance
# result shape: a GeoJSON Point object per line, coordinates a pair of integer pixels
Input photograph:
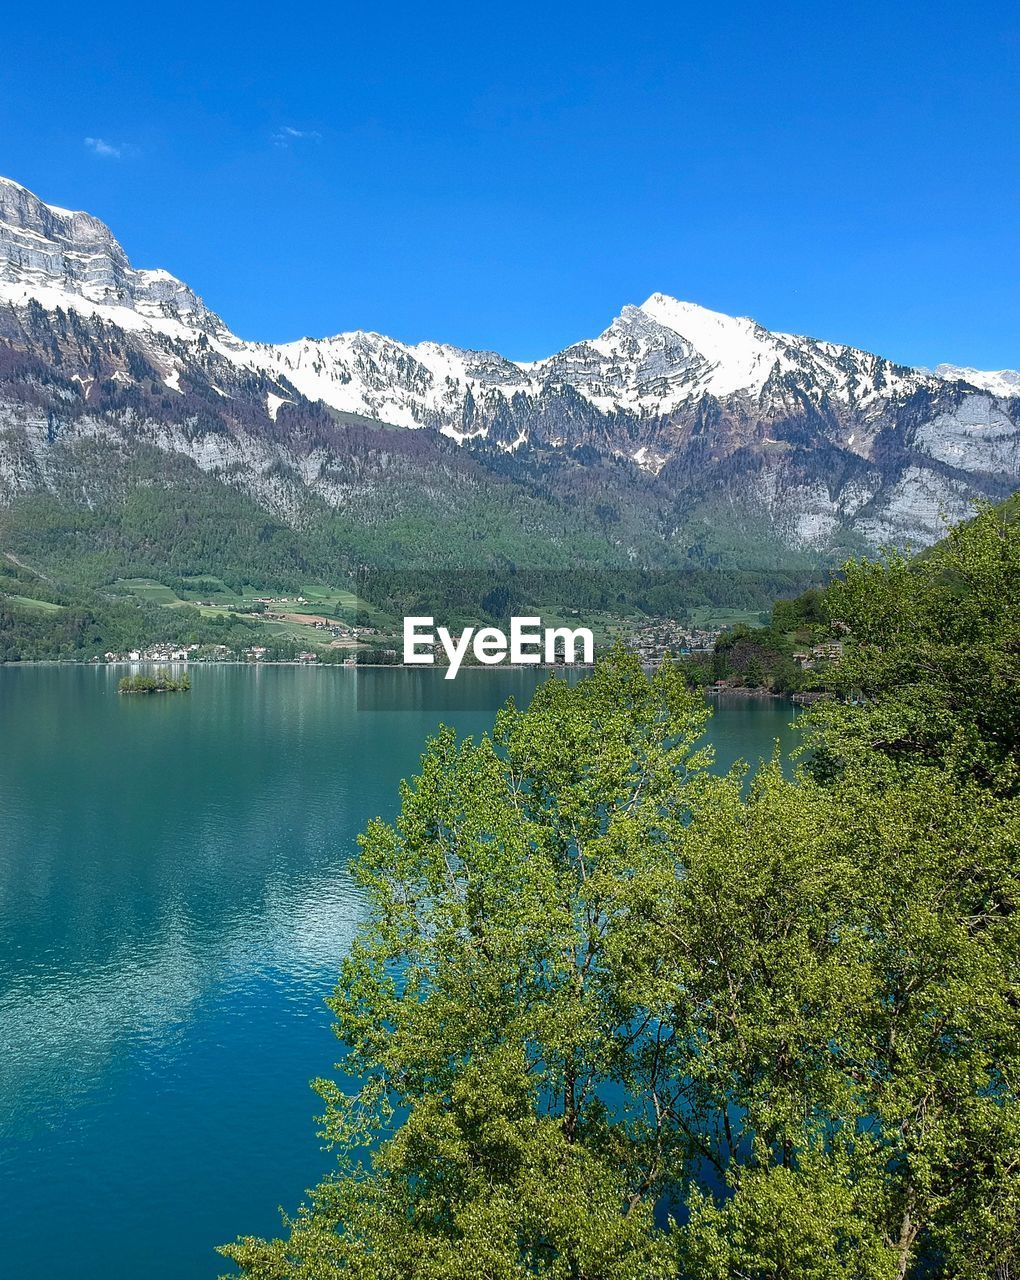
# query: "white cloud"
{"type": "Point", "coordinates": [287, 136]}
{"type": "Point", "coordinates": [108, 150]}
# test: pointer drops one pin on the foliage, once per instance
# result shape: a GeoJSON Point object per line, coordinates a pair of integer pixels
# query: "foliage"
{"type": "Point", "coordinates": [485, 1003]}
{"type": "Point", "coordinates": [763, 657]}
{"type": "Point", "coordinates": [807, 616]}
{"type": "Point", "coordinates": [612, 1016]}
{"type": "Point", "coordinates": [161, 682]}
{"type": "Point", "coordinates": [376, 658]}
{"type": "Point", "coordinates": [931, 670]}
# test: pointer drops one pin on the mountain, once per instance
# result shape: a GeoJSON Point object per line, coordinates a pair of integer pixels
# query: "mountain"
{"type": "Point", "coordinates": [1000, 382]}
{"type": "Point", "coordinates": [63, 258]}
{"type": "Point", "coordinates": [677, 437]}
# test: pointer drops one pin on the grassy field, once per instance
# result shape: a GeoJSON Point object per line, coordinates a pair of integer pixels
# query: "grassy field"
{"type": "Point", "coordinates": [212, 598]}
{"type": "Point", "coordinates": [710, 617]}
{"type": "Point", "coordinates": [146, 589]}
{"type": "Point", "coordinates": [26, 602]}
{"type": "Point", "coordinates": [322, 599]}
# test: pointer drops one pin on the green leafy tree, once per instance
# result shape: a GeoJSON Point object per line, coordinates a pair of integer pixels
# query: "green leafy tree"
{"type": "Point", "coordinates": [613, 1017]}
{"type": "Point", "coordinates": [931, 669]}
{"type": "Point", "coordinates": [852, 961]}
{"type": "Point", "coordinates": [500, 1008]}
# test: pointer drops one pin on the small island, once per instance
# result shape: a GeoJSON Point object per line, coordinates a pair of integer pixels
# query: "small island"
{"type": "Point", "coordinates": [160, 683]}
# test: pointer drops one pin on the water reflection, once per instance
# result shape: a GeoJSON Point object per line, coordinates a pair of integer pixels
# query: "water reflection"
{"type": "Point", "coordinates": [174, 903]}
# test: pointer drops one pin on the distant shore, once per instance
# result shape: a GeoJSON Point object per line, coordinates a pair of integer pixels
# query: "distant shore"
{"type": "Point", "coordinates": [804, 698]}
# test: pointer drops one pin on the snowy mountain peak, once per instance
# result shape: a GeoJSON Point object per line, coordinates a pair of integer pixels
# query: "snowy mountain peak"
{"type": "Point", "coordinates": [690, 318]}
{"type": "Point", "coordinates": [67, 258]}
{"type": "Point", "coordinates": [999, 382]}
{"type": "Point", "coordinates": [740, 353]}
{"type": "Point", "coordinates": [654, 363]}
{"type": "Point", "coordinates": [672, 402]}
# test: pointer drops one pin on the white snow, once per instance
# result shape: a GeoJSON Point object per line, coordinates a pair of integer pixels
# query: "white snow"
{"type": "Point", "coordinates": [651, 361]}
{"type": "Point", "coordinates": [741, 353]}
{"type": "Point", "coordinates": [1000, 382]}
{"type": "Point", "coordinates": [51, 297]}
{"type": "Point", "coordinates": [273, 403]}
{"type": "Point", "coordinates": [647, 460]}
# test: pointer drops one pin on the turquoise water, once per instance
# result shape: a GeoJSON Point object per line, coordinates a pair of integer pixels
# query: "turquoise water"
{"type": "Point", "coordinates": [174, 902]}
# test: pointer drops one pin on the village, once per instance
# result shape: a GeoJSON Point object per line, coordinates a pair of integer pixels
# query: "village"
{"type": "Point", "coordinates": [712, 651]}
{"type": "Point", "coordinates": [163, 653]}
{"type": "Point", "coordinates": [651, 644]}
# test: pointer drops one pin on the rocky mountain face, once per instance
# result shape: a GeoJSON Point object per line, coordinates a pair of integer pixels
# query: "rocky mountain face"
{"type": "Point", "coordinates": [54, 255]}
{"type": "Point", "coordinates": [674, 428]}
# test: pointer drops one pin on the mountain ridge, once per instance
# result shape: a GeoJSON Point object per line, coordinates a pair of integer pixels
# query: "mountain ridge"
{"type": "Point", "coordinates": [658, 306]}
{"type": "Point", "coordinates": [820, 445]}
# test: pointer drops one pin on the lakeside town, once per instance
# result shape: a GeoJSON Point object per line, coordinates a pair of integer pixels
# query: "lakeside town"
{"type": "Point", "coordinates": [651, 644]}
{"type": "Point", "coordinates": [735, 658]}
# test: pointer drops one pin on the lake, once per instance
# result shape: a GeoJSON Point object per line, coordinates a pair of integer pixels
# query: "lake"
{"type": "Point", "coordinates": [174, 904]}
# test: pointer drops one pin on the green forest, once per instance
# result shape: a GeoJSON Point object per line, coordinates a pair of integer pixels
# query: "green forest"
{"type": "Point", "coordinates": [41, 619]}
{"type": "Point", "coordinates": [45, 616]}
{"type": "Point", "coordinates": [616, 1017]}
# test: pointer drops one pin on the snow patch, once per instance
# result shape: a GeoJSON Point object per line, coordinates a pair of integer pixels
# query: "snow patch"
{"type": "Point", "coordinates": [741, 353]}
{"type": "Point", "coordinates": [273, 403]}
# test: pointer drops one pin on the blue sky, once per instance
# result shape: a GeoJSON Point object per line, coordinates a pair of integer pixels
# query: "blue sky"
{"type": "Point", "coordinates": [510, 176]}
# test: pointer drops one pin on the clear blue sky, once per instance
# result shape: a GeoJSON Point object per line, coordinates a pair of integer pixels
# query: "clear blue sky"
{"type": "Point", "coordinates": [510, 176]}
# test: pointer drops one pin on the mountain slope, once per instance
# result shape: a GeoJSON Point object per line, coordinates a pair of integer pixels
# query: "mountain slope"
{"type": "Point", "coordinates": [677, 436]}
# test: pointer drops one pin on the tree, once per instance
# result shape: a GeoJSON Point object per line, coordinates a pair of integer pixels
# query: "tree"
{"type": "Point", "coordinates": [931, 669]}
{"type": "Point", "coordinates": [500, 1009]}
{"type": "Point", "coordinates": [615, 1017]}
{"type": "Point", "coordinates": [852, 961]}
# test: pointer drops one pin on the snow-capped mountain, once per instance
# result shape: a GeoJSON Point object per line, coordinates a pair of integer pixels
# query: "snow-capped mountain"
{"type": "Point", "coordinates": [999, 382]}
{"type": "Point", "coordinates": [652, 361]}
{"type": "Point", "coordinates": [64, 258]}
{"type": "Point", "coordinates": [823, 441]}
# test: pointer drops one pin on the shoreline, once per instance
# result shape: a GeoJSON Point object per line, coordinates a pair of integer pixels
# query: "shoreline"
{"type": "Point", "coordinates": [798, 699]}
